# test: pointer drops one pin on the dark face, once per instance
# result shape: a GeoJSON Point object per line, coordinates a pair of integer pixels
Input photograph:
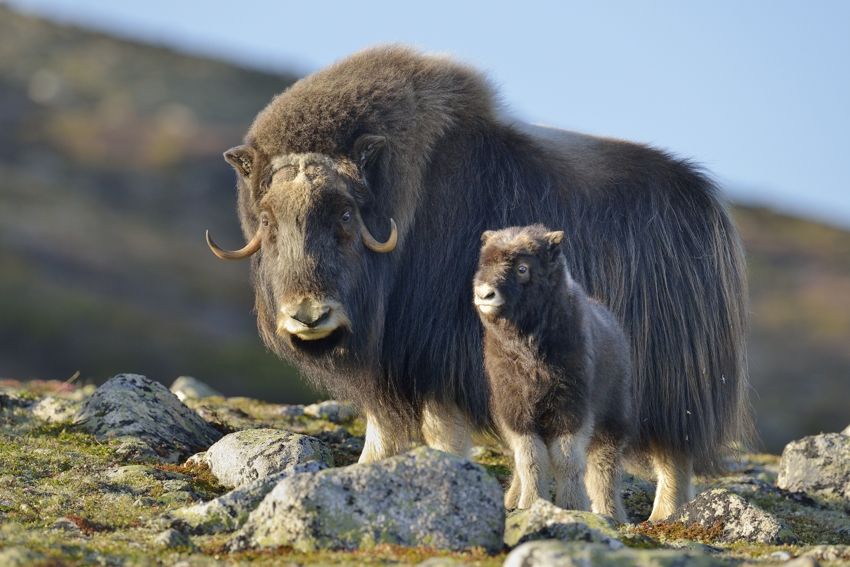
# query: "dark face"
{"type": "Point", "coordinates": [314, 272]}
{"type": "Point", "coordinates": [518, 271]}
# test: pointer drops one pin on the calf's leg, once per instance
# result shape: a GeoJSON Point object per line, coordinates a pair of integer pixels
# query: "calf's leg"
{"type": "Point", "coordinates": [531, 470]}
{"type": "Point", "coordinates": [567, 454]}
{"type": "Point", "coordinates": [603, 477]}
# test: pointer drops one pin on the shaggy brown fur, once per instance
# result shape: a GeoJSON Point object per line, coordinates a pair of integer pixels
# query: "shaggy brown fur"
{"type": "Point", "coordinates": [646, 233]}
{"type": "Point", "coordinates": [559, 372]}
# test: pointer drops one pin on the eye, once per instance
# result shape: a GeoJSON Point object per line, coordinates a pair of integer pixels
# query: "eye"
{"type": "Point", "coordinates": [346, 216]}
{"type": "Point", "coordinates": [264, 220]}
{"type": "Point", "coordinates": [522, 269]}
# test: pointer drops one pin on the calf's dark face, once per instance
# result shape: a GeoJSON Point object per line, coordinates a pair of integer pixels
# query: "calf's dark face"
{"type": "Point", "coordinates": [518, 273]}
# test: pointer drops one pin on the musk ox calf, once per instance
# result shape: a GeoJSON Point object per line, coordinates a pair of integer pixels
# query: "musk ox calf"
{"type": "Point", "coordinates": [363, 191]}
{"type": "Point", "coordinates": [559, 373]}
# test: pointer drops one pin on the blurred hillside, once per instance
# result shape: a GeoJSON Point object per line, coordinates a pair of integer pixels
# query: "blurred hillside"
{"type": "Point", "coordinates": [800, 319]}
{"type": "Point", "coordinates": [111, 170]}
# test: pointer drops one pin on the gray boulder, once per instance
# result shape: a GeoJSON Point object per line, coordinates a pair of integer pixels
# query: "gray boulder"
{"type": "Point", "coordinates": [55, 410]}
{"type": "Point", "coordinates": [244, 456]}
{"type": "Point", "coordinates": [171, 539]}
{"type": "Point", "coordinates": [742, 521]}
{"type": "Point", "coordinates": [544, 520]}
{"type": "Point", "coordinates": [188, 388]}
{"type": "Point", "coordinates": [554, 553]}
{"type": "Point", "coordinates": [828, 553]}
{"type": "Point", "coordinates": [230, 511]}
{"type": "Point", "coordinates": [20, 557]}
{"type": "Point", "coordinates": [331, 410]}
{"type": "Point", "coordinates": [818, 464]}
{"type": "Point", "coordinates": [150, 421]}
{"type": "Point", "coordinates": [422, 497]}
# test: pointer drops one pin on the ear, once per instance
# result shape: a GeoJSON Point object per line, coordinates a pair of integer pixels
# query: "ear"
{"type": "Point", "coordinates": [241, 158]}
{"type": "Point", "coordinates": [554, 239]}
{"type": "Point", "coordinates": [367, 148]}
{"type": "Point", "coordinates": [487, 235]}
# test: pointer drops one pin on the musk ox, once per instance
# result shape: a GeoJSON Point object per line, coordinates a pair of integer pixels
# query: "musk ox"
{"type": "Point", "coordinates": [390, 138]}
{"type": "Point", "coordinates": [559, 372]}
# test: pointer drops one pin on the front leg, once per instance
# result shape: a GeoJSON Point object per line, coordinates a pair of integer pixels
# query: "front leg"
{"type": "Point", "coordinates": [568, 453]}
{"type": "Point", "coordinates": [383, 440]}
{"type": "Point", "coordinates": [446, 429]}
{"type": "Point", "coordinates": [531, 469]}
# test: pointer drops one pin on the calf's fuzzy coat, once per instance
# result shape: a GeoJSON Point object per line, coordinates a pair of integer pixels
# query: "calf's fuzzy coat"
{"type": "Point", "coordinates": [559, 373]}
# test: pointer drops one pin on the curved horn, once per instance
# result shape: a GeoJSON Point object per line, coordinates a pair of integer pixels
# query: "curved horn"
{"type": "Point", "coordinates": [373, 244]}
{"type": "Point", "coordinates": [249, 249]}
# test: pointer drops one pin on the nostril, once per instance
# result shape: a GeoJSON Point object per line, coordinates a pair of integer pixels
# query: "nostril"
{"type": "Point", "coordinates": [310, 313]}
{"type": "Point", "coordinates": [485, 292]}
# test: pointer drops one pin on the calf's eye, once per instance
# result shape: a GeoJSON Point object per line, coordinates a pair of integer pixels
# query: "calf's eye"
{"type": "Point", "coordinates": [522, 269]}
{"type": "Point", "coordinates": [346, 216]}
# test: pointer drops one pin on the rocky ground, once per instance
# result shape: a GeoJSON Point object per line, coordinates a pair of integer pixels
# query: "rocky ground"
{"type": "Point", "coordinates": [134, 474]}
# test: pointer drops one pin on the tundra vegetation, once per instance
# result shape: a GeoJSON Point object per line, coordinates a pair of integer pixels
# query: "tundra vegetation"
{"type": "Point", "coordinates": [70, 498]}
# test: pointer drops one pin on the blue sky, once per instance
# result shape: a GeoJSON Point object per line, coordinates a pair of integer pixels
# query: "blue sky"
{"type": "Point", "coordinates": [758, 92]}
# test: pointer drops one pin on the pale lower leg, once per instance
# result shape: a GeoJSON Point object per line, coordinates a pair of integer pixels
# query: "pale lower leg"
{"type": "Point", "coordinates": [382, 440]}
{"type": "Point", "coordinates": [446, 429]}
{"type": "Point", "coordinates": [674, 486]}
{"type": "Point", "coordinates": [531, 470]}
{"type": "Point", "coordinates": [602, 480]}
{"type": "Point", "coordinates": [514, 492]}
{"type": "Point", "coordinates": [567, 454]}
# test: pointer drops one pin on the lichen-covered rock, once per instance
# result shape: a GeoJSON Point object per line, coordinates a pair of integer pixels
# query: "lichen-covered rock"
{"type": "Point", "coordinates": [422, 497]}
{"type": "Point", "coordinates": [141, 482]}
{"type": "Point", "coordinates": [150, 420]}
{"type": "Point", "coordinates": [171, 539]}
{"type": "Point", "coordinates": [638, 497]}
{"type": "Point", "coordinates": [55, 410]}
{"type": "Point", "coordinates": [331, 410]}
{"type": "Point", "coordinates": [554, 553]}
{"type": "Point", "coordinates": [742, 521]}
{"type": "Point", "coordinates": [245, 456]}
{"type": "Point", "coordinates": [19, 557]}
{"type": "Point", "coordinates": [828, 552]}
{"type": "Point", "coordinates": [13, 400]}
{"type": "Point", "coordinates": [818, 464]}
{"type": "Point", "coordinates": [230, 511]}
{"type": "Point", "coordinates": [188, 388]}
{"type": "Point", "coordinates": [544, 520]}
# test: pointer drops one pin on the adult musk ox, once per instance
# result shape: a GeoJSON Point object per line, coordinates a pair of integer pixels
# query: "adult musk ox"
{"type": "Point", "coordinates": [559, 370]}
{"type": "Point", "coordinates": [383, 316]}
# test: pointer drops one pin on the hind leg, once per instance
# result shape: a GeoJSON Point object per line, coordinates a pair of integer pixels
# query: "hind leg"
{"type": "Point", "coordinates": [604, 469]}
{"type": "Point", "coordinates": [531, 470]}
{"type": "Point", "coordinates": [446, 429]}
{"type": "Point", "coordinates": [567, 454]}
{"type": "Point", "coordinates": [674, 486]}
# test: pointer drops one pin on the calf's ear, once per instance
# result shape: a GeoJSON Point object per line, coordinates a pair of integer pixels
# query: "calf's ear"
{"type": "Point", "coordinates": [487, 235]}
{"type": "Point", "coordinates": [242, 159]}
{"type": "Point", "coordinates": [554, 239]}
